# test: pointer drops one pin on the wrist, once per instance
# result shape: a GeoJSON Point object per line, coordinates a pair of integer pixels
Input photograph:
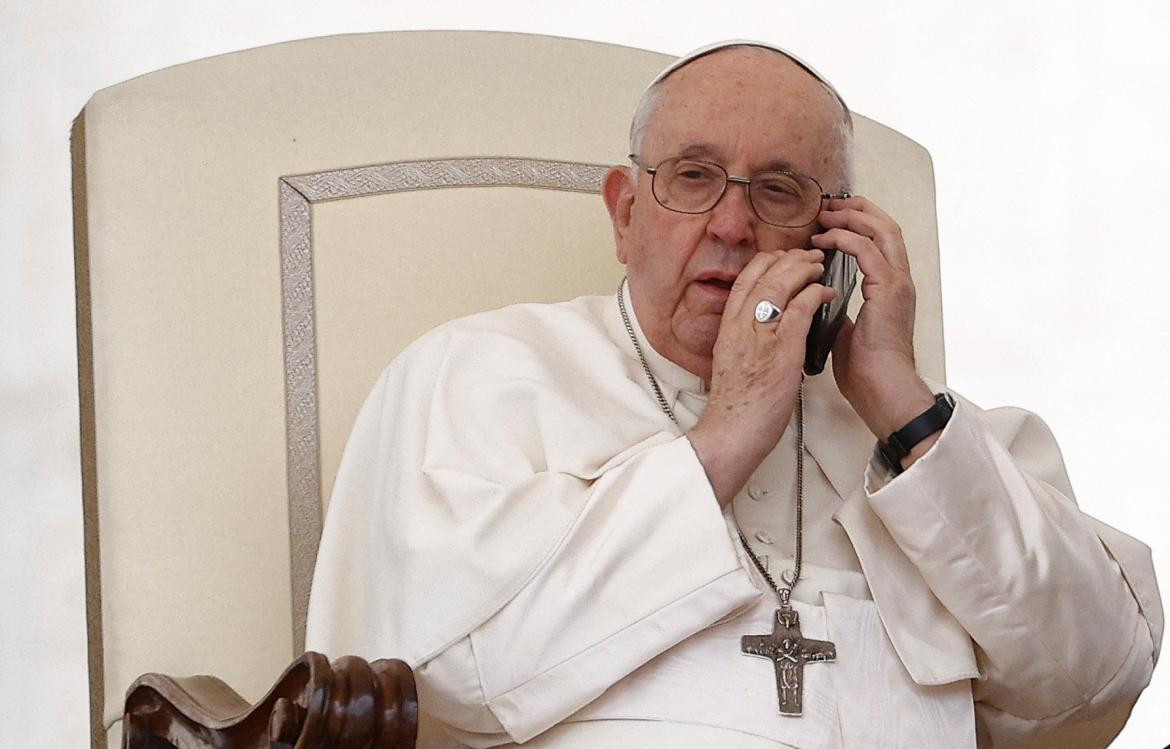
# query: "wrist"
{"type": "Point", "coordinates": [890, 405]}
{"type": "Point", "coordinates": [910, 442]}
{"type": "Point", "coordinates": [725, 461]}
{"type": "Point", "coordinates": [920, 449]}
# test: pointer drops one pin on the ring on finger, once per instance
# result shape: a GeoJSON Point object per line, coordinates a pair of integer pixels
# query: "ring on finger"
{"type": "Point", "coordinates": [767, 312]}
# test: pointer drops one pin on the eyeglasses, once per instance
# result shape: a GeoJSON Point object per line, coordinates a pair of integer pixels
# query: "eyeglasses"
{"type": "Point", "coordinates": [779, 198]}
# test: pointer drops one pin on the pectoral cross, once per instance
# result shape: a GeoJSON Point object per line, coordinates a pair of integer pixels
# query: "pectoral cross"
{"type": "Point", "coordinates": [789, 652]}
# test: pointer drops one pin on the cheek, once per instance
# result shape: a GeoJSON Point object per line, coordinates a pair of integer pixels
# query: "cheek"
{"type": "Point", "coordinates": [787, 239]}
{"type": "Point", "coordinates": [660, 249]}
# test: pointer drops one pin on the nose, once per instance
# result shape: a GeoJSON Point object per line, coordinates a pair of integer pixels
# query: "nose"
{"type": "Point", "coordinates": [732, 219]}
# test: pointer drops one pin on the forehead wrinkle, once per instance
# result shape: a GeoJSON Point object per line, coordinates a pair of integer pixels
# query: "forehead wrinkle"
{"type": "Point", "coordinates": [765, 158]}
{"type": "Point", "coordinates": [701, 150]}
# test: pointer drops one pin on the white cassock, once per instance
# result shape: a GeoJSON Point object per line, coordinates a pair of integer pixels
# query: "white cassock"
{"type": "Point", "coordinates": [516, 518]}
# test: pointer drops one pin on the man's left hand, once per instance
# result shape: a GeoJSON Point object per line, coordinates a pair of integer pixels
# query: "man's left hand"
{"type": "Point", "coordinates": [873, 358]}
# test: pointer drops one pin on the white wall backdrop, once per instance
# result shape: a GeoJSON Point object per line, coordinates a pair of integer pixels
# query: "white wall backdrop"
{"type": "Point", "coordinates": [1047, 122]}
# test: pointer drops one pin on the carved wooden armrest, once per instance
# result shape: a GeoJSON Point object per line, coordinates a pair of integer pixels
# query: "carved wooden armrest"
{"type": "Point", "coordinates": [349, 704]}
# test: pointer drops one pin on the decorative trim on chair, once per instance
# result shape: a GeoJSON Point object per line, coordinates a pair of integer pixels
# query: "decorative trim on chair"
{"type": "Point", "coordinates": [302, 426]}
{"type": "Point", "coordinates": [428, 175]}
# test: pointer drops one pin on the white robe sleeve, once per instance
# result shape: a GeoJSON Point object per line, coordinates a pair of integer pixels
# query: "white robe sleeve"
{"type": "Point", "coordinates": [647, 563]}
{"type": "Point", "coordinates": [1063, 610]}
{"type": "Point", "coordinates": [520, 543]}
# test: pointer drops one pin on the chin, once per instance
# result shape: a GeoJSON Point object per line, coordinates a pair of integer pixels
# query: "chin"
{"type": "Point", "coordinates": [700, 350]}
{"type": "Point", "coordinates": [698, 336]}
{"type": "Point", "coordinates": [691, 341]}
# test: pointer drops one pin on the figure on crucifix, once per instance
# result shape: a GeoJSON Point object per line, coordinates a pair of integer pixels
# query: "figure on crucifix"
{"type": "Point", "coordinates": [789, 652]}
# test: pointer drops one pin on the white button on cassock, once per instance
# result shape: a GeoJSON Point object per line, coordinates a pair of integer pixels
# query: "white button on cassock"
{"type": "Point", "coordinates": [764, 537]}
{"type": "Point", "coordinates": [757, 492]}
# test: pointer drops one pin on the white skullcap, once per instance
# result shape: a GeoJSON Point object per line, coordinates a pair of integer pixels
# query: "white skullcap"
{"type": "Point", "coordinates": [709, 48]}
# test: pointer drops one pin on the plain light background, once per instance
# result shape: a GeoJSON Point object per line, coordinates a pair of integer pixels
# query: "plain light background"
{"type": "Point", "coordinates": [1047, 122]}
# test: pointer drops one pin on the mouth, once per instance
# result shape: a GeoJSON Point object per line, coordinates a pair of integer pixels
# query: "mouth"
{"type": "Point", "coordinates": [717, 283]}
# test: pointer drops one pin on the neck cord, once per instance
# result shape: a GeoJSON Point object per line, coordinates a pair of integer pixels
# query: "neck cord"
{"type": "Point", "coordinates": [788, 577]}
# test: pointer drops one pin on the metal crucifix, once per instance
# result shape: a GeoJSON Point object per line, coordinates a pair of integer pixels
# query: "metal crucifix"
{"type": "Point", "coordinates": [789, 652]}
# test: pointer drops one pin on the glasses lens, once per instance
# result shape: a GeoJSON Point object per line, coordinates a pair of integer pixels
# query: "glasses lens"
{"type": "Point", "coordinates": [785, 199]}
{"type": "Point", "coordinates": [688, 186]}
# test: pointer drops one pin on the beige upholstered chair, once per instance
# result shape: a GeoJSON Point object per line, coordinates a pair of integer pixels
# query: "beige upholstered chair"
{"type": "Point", "coordinates": [259, 233]}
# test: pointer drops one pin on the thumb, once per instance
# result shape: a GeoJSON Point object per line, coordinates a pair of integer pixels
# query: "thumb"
{"type": "Point", "coordinates": [841, 344]}
{"type": "Point", "coordinates": [844, 335]}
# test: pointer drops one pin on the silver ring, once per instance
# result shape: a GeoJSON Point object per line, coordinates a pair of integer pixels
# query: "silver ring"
{"type": "Point", "coordinates": [767, 312]}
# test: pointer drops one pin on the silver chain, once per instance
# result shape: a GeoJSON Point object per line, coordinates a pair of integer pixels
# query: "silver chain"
{"type": "Point", "coordinates": [642, 357]}
{"type": "Point", "coordinates": [789, 577]}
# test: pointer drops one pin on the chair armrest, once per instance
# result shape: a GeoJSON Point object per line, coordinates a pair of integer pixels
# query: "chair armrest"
{"type": "Point", "coordinates": [346, 704]}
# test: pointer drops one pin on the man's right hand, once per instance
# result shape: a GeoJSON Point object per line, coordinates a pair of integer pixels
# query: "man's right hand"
{"type": "Point", "coordinates": [757, 367]}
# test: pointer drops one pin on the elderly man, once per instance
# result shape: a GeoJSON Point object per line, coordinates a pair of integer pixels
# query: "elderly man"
{"type": "Point", "coordinates": [632, 521]}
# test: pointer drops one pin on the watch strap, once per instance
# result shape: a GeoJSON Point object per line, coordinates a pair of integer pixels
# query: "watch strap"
{"type": "Point", "coordinates": [901, 442]}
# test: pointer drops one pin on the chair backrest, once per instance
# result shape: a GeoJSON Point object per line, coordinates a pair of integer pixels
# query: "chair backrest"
{"type": "Point", "coordinates": [259, 233]}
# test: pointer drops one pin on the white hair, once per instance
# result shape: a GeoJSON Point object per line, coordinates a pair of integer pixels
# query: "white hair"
{"type": "Point", "coordinates": [652, 97]}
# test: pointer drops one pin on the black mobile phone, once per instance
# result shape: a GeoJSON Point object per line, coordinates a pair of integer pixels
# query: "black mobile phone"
{"type": "Point", "coordinates": [840, 274]}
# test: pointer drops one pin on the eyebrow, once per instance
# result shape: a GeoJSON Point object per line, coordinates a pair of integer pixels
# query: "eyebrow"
{"type": "Point", "coordinates": [701, 148]}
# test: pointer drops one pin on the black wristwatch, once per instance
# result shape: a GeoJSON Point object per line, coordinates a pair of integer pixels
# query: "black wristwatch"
{"type": "Point", "coordinates": [928, 422]}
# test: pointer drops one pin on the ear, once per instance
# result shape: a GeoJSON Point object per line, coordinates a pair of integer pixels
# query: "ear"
{"type": "Point", "coordinates": [618, 192]}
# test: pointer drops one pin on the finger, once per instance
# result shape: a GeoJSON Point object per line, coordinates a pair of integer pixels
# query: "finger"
{"type": "Point", "coordinates": [745, 292]}
{"type": "Point", "coordinates": [785, 279]}
{"type": "Point", "coordinates": [859, 203]}
{"type": "Point", "coordinates": [788, 275]}
{"type": "Point", "coordinates": [854, 220]}
{"type": "Point", "coordinates": [841, 346]}
{"type": "Point", "coordinates": [866, 219]}
{"type": "Point", "coordinates": [844, 333]}
{"type": "Point", "coordinates": [797, 318]}
{"type": "Point", "coordinates": [745, 281]}
{"type": "Point", "coordinates": [872, 262]}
